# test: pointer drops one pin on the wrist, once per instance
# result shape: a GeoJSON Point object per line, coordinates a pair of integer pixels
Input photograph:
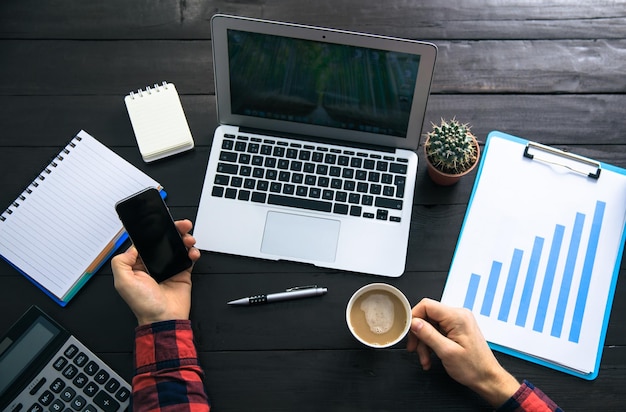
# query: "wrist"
{"type": "Point", "coordinates": [148, 318]}
{"type": "Point", "coordinates": [498, 388]}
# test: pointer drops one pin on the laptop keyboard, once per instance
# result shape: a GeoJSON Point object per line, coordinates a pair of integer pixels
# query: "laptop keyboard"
{"type": "Point", "coordinates": [323, 178]}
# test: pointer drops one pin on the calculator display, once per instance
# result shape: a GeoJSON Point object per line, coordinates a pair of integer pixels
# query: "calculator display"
{"type": "Point", "coordinates": [18, 355]}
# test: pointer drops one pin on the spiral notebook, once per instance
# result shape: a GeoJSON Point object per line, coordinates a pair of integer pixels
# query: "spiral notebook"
{"type": "Point", "coordinates": [63, 226]}
{"type": "Point", "coordinates": [159, 122]}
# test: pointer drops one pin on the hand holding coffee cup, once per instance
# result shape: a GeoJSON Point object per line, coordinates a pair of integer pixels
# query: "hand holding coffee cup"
{"type": "Point", "coordinates": [378, 315]}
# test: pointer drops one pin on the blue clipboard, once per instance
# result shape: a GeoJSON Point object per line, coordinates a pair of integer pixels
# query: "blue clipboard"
{"type": "Point", "coordinates": [539, 253]}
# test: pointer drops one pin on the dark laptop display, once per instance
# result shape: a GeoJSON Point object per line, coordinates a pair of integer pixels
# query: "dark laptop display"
{"type": "Point", "coordinates": [326, 84]}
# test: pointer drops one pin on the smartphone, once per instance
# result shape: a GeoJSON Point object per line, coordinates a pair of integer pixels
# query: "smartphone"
{"type": "Point", "coordinates": [150, 226]}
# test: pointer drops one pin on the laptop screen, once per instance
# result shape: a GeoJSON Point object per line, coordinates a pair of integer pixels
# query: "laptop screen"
{"type": "Point", "coordinates": [321, 83]}
{"type": "Point", "coordinates": [317, 83]}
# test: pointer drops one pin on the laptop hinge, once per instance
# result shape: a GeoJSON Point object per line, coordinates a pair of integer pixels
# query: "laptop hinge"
{"type": "Point", "coordinates": [348, 143]}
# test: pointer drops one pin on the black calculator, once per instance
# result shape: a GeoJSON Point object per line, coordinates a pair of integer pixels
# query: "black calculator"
{"type": "Point", "coordinates": [44, 368]}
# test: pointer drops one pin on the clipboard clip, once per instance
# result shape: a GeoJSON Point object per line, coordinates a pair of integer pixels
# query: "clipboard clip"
{"type": "Point", "coordinates": [570, 160]}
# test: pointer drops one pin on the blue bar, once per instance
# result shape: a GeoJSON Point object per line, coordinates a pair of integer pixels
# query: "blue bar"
{"type": "Point", "coordinates": [529, 283]}
{"type": "Point", "coordinates": [472, 289]}
{"type": "Point", "coordinates": [509, 288]}
{"type": "Point", "coordinates": [548, 280]}
{"type": "Point", "coordinates": [568, 273]}
{"type": "Point", "coordinates": [492, 284]}
{"type": "Point", "coordinates": [585, 280]}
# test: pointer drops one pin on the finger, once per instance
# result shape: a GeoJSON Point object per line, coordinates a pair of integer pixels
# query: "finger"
{"type": "Point", "coordinates": [424, 352]}
{"type": "Point", "coordinates": [411, 343]}
{"type": "Point", "coordinates": [194, 254]}
{"type": "Point", "coordinates": [433, 310]}
{"type": "Point", "coordinates": [188, 240]}
{"type": "Point", "coordinates": [184, 226]}
{"type": "Point", "coordinates": [428, 335]}
{"type": "Point", "coordinates": [419, 310]}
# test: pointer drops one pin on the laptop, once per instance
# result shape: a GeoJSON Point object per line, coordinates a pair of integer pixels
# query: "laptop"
{"type": "Point", "coordinates": [314, 157]}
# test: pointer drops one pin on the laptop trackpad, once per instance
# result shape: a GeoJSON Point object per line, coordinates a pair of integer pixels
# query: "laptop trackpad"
{"type": "Point", "coordinates": [301, 237]}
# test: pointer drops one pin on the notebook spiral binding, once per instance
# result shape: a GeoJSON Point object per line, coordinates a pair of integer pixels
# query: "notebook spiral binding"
{"type": "Point", "coordinates": [149, 90]}
{"type": "Point", "coordinates": [40, 178]}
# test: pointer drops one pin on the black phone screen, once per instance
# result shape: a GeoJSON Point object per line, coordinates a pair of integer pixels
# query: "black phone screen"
{"type": "Point", "coordinates": [150, 227]}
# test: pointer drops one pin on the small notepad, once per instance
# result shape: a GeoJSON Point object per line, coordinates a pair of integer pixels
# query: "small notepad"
{"type": "Point", "coordinates": [159, 122]}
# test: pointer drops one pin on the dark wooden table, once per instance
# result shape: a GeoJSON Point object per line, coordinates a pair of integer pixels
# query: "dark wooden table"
{"type": "Point", "coordinates": [552, 71]}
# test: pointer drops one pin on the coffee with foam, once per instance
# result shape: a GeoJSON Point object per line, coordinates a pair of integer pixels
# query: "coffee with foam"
{"type": "Point", "coordinates": [378, 315]}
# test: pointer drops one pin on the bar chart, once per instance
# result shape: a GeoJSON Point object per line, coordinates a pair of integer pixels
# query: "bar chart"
{"type": "Point", "coordinates": [555, 252]}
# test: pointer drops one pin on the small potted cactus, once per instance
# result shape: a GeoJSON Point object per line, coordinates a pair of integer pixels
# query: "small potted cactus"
{"type": "Point", "coordinates": [451, 151]}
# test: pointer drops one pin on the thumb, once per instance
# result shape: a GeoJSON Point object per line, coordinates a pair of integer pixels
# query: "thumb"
{"type": "Point", "coordinates": [128, 257]}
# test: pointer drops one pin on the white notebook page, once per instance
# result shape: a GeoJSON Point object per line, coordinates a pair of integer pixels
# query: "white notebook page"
{"type": "Point", "coordinates": [66, 220]}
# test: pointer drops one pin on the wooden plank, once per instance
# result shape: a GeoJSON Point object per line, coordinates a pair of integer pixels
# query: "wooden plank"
{"type": "Point", "coordinates": [426, 20]}
{"type": "Point", "coordinates": [549, 119]}
{"type": "Point", "coordinates": [389, 380]}
{"type": "Point", "coordinates": [76, 67]}
{"type": "Point", "coordinates": [107, 68]}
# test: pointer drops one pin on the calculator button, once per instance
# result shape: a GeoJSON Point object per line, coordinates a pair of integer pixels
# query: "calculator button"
{"type": "Point", "coordinates": [80, 380]}
{"type": "Point", "coordinates": [106, 402]}
{"type": "Point", "coordinates": [91, 389]}
{"type": "Point", "coordinates": [91, 368]}
{"type": "Point", "coordinates": [122, 395]}
{"type": "Point", "coordinates": [60, 363]}
{"type": "Point", "coordinates": [57, 385]}
{"type": "Point", "coordinates": [81, 359]}
{"type": "Point", "coordinates": [78, 403]}
{"type": "Point", "coordinates": [90, 408]}
{"type": "Point", "coordinates": [71, 351]}
{"type": "Point", "coordinates": [112, 385]}
{"type": "Point", "coordinates": [70, 371]}
{"type": "Point", "coordinates": [68, 394]}
{"type": "Point", "coordinates": [46, 398]}
{"type": "Point", "coordinates": [36, 408]}
{"type": "Point", "coordinates": [57, 406]}
{"type": "Point", "coordinates": [101, 377]}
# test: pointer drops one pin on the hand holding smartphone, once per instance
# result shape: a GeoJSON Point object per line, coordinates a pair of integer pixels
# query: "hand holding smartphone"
{"type": "Point", "coordinates": [151, 228]}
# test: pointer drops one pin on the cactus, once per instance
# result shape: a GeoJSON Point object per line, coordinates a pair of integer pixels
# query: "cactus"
{"type": "Point", "coordinates": [451, 147]}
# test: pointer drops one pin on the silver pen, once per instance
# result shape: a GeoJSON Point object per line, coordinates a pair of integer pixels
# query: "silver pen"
{"type": "Point", "coordinates": [298, 292]}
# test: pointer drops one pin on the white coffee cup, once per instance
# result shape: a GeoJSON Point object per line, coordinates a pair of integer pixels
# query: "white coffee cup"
{"type": "Point", "coordinates": [378, 315]}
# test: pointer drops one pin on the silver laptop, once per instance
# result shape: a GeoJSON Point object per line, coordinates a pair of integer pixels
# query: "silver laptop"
{"type": "Point", "coordinates": [314, 159]}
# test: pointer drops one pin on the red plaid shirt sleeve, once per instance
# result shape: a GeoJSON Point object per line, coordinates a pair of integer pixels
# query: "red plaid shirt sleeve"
{"type": "Point", "coordinates": [529, 398]}
{"type": "Point", "coordinates": [168, 376]}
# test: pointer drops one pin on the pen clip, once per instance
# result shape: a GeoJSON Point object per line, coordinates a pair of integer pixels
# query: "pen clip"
{"type": "Point", "coordinates": [300, 288]}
